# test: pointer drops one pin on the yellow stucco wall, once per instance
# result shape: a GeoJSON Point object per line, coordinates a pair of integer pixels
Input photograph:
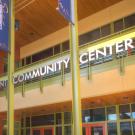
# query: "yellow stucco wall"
{"type": "Point", "coordinates": [103, 83]}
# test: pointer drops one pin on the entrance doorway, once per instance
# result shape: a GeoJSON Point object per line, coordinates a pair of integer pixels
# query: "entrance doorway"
{"type": "Point", "coordinates": [94, 129]}
{"type": "Point", "coordinates": [42, 131]}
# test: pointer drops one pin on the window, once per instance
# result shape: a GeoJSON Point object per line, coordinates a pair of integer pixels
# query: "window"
{"type": "Point", "coordinates": [129, 21]}
{"type": "Point", "coordinates": [43, 120]}
{"type": "Point", "coordinates": [133, 111]}
{"type": "Point", "coordinates": [23, 62]}
{"type": "Point", "coordinates": [4, 132]}
{"type": "Point", "coordinates": [90, 36]}
{"type": "Point", "coordinates": [28, 60]}
{"type": "Point", "coordinates": [134, 127]}
{"type": "Point", "coordinates": [111, 113]}
{"type": "Point", "coordinates": [84, 131]}
{"type": "Point", "coordinates": [27, 121]}
{"type": "Point", "coordinates": [112, 128]}
{"type": "Point", "coordinates": [47, 53]}
{"type": "Point", "coordinates": [93, 115]}
{"type": "Point", "coordinates": [27, 131]}
{"type": "Point", "coordinates": [65, 46]}
{"type": "Point", "coordinates": [95, 34]}
{"type": "Point", "coordinates": [125, 128]}
{"type": "Point", "coordinates": [36, 57]}
{"type": "Point", "coordinates": [83, 39]}
{"type": "Point", "coordinates": [58, 130]}
{"type": "Point", "coordinates": [98, 114]}
{"type": "Point", "coordinates": [124, 111]}
{"type": "Point", "coordinates": [67, 117]}
{"type": "Point", "coordinates": [67, 130]}
{"type": "Point", "coordinates": [42, 55]}
{"type": "Point", "coordinates": [118, 25]}
{"type": "Point", "coordinates": [56, 49]}
{"type": "Point", "coordinates": [58, 118]}
{"type": "Point", "coordinates": [17, 64]}
{"type": "Point", "coordinates": [5, 68]}
{"type": "Point", "coordinates": [86, 116]}
{"type": "Point", "coordinates": [105, 30]}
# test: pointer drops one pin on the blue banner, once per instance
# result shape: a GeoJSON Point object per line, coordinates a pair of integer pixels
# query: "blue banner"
{"type": "Point", "coordinates": [4, 25]}
{"type": "Point", "coordinates": [64, 7]}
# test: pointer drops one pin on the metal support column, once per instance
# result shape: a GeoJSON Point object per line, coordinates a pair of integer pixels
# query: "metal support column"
{"type": "Point", "coordinates": [10, 91]}
{"type": "Point", "coordinates": [75, 68]}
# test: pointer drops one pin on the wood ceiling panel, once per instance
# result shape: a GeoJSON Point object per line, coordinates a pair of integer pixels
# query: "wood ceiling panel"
{"type": "Point", "coordinates": [39, 18]}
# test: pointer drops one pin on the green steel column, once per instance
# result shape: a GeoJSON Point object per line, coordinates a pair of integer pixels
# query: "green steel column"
{"type": "Point", "coordinates": [76, 102]}
{"type": "Point", "coordinates": [10, 99]}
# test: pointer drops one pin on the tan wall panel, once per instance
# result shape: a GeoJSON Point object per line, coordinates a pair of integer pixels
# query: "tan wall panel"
{"type": "Point", "coordinates": [104, 83]}
{"type": "Point", "coordinates": [103, 17]}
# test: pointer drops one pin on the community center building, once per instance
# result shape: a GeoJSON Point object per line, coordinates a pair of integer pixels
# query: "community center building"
{"type": "Point", "coordinates": [43, 81]}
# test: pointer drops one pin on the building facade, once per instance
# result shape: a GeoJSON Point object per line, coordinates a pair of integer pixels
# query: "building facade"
{"type": "Point", "coordinates": [43, 85]}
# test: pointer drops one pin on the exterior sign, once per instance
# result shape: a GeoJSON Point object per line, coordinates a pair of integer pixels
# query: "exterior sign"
{"type": "Point", "coordinates": [4, 25]}
{"type": "Point", "coordinates": [93, 57]}
{"type": "Point", "coordinates": [64, 7]}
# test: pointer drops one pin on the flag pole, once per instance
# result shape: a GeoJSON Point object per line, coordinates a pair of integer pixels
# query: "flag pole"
{"type": "Point", "coordinates": [10, 91]}
{"type": "Point", "coordinates": [76, 98]}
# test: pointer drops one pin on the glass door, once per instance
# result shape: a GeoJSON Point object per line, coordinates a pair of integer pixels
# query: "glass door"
{"type": "Point", "coordinates": [43, 131]}
{"type": "Point", "coordinates": [94, 129]}
{"type": "Point", "coordinates": [48, 131]}
{"type": "Point", "coordinates": [37, 131]}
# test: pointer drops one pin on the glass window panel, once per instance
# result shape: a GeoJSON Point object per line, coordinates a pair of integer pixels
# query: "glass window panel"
{"type": "Point", "coordinates": [125, 128]}
{"type": "Point", "coordinates": [58, 130]}
{"type": "Point", "coordinates": [118, 25]}
{"type": "Point", "coordinates": [22, 131]}
{"type": "Point", "coordinates": [4, 132]}
{"type": "Point", "coordinates": [27, 121]}
{"type": "Point", "coordinates": [84, 131]}
{"type": "Point", "coordinates": [56, 49]}
{"type": "Point", "coordinates": [129, 21]}
{"type": "Point", "coordinates": [37, 132]}
{"type": "Point", "coordinates": [96, 130]}
{"type": "Point", "coordinates": [90, 36]}
{"type": "Point", "coordinates": [23, 62]}
{"type": "Point", "coordinates": [112, 128]}
{"type": "Point", "coordinates": [27, 131]}
{"type": "Point", "coordinates": [5, 68]}
{"type": "Point", "coordinates": [67, 130]}
{"type": "Point", "coordinates": [134, 127]}
{"type": "Point", "coordinates": [111, 113]}
{"type": "Point", "coordinates": [124, 111]}
{"type": "Point", "coordinates": [133, 111]}
{"type": "Point", "coordinates": [86, 116]}
{"type": "Point", "coordinates": [67, 117]}
{"type": "Point", "coordinates": [43, 120]}
{"type": "Point", "coordinates": [42, 55]}
{"type": "Point", "coordinates": [22, 122]}
{"type": "Point", "coordinates": [84, 39]}
{"type": "Point", "coordinates": [98, 114]}
{"type": "Point", "coordinates": [106, 30]}
{"type": "Point", "coordinates": [48, 132]}
{"type": "Point", "coordinates": [17, 64]}
{"type": "Point", "coordinates": [47, 53]}
{"type": "Point", "coordinates": [58, 118]}
{"type": "Point", "coordinates": [28, 60]}
{"type": "Point", "coordinates": [65, 46]}
{"type": "Point", "coordinates": [36, 57]}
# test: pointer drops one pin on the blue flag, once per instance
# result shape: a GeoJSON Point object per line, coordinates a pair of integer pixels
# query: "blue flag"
{"type": "Point", "coordinates": [64, 7]}
{"type": "Point", "coordinates": [4, 25]}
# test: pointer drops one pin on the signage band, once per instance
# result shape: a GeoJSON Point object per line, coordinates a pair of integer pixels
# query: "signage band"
{"type": "Point", "coordinates": [92, 56]}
